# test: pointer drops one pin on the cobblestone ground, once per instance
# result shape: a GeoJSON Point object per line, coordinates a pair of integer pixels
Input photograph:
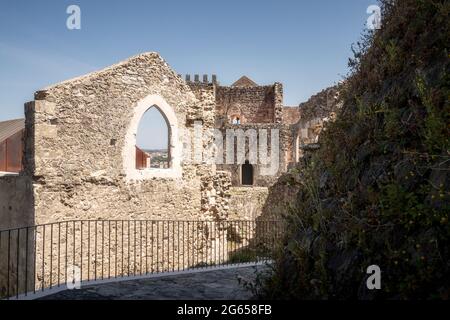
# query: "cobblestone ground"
{"type": "Point", "coordinates": [208, 285]}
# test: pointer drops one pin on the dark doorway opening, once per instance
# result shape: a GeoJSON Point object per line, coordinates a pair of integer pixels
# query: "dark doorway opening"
{"type": "Point", "coordinates": [247, 174]}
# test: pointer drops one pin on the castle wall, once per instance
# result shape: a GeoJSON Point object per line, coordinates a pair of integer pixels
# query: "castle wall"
{"type": "Point", "coordinates": [259, 104]}
{"type": "Point", "coordinates": [263, 175]}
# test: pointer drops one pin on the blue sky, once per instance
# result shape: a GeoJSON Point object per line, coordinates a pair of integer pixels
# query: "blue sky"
{"type": "Point", "coordinates": [153, 131]}
{"type": "Point", "coordinates": [303, 44]}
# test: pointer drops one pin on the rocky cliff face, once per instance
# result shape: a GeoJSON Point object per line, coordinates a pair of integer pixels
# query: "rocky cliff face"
{"type": "Point", "coordinates": [377, 190]}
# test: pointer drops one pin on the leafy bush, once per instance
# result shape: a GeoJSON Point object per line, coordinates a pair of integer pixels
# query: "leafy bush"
{"type": "Point", "coordinates": [377, 191]}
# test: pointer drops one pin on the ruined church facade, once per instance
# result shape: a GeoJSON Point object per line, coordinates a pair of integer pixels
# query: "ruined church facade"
{"type": "Point", "coordinates": [80, 140]}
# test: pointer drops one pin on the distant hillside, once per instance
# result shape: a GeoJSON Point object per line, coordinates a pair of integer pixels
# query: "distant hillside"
{"type": "Point", "coordinates": [377, 190]}
{"type": "Point", "coordinates": [155, 150]}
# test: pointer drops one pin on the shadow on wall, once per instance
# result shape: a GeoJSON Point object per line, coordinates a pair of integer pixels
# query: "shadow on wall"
{"type": "Point", "coordinates": [282, 194]}
{"type": "Point", "coordinates": [16, 245]}
{"type": "Point", "coordinates": [253, 241]}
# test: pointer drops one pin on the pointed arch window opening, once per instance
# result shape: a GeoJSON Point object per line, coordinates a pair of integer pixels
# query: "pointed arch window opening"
{"type": "Point", "coordinates": [153, 141]}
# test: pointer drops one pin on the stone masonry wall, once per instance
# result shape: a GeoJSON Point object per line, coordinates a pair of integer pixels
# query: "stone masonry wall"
{"type": "Point", "coordinates": [285, 152]}
{"type": "Point", "coordinates": [260, 104]}
{"type": "Point", "coordinates": [247, 203]}
{"type": "Point", "coordinates": [16, 202]}
{"type": "Point", "coordinates": [16, 210]}
{"type": "Point", "coordinates": [291, 115]}
{"type": "Point", "coordinates": [74, 167]}
{"type": "Point", "coordinates": [320, 105]}
{"type": "Point", "coordinates": [315, 112]}
{"type": "Point", "coordinates": [79, 134]}
{"type": "Point", "coordinates": [76, 138]}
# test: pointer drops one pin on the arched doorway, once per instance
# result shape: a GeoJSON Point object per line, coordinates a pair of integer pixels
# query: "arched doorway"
{"type": "Point", "coordinates": [247, 174]}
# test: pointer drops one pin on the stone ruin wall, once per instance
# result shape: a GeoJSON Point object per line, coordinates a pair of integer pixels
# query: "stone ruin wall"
{"type": "Point", "coordinates": [259, 104]}
{"type": "Point", "coordinates": [75, 135]}
{"type": "Point", "coordinates": [74, 167]}
{"type": "Point", "coordinates": [291, 115]}
{"type": "Point", "coordinates": [258, 107]}
{"type": "Point", "coordinates": [315, 113]}
{"type": "Point", "coordinates": [247, 203]}
{"type": "Point", "coordinates": [285, 152]}
{"type": "Point", "coordinates": [300, 129]}
{"type": "Point", "coordinates": [16, 202]}
{"type": "Point", "coordinates": [80, 128]}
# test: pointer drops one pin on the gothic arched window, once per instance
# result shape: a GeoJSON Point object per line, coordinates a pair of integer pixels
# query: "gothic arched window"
{"type": "Point", "coordinates": [152, 141]}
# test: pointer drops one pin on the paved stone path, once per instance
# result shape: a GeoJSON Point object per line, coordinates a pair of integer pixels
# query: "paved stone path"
{"type": "Point", "coordinates": [212, 285]}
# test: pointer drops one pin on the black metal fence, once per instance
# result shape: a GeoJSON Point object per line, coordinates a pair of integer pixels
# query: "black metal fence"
{"type": "Point", "coordinates": [41, 257]}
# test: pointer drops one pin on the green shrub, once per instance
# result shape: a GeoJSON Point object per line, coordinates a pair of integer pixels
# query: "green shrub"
{"type": "Point", "coordinates": [377, 191]}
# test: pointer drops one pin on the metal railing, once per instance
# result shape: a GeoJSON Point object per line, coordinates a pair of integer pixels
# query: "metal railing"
{"type": "Point", "coordinates": [42, 257]}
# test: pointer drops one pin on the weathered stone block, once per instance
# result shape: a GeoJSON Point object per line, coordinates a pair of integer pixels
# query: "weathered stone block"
{"type": "Point", "coordinates": [48, 131]}
{"type": "Point", "coordinates": [44, 106]}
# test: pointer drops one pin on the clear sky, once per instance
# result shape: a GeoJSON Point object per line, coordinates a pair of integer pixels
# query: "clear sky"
{"type": "Point", "coordinates": [153, 132]}
{"type": "Point", "coordinates": [303, 44]}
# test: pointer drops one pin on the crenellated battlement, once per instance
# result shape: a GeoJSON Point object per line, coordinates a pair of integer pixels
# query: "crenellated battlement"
{"type": "Point", "coordinates": [196, 78]}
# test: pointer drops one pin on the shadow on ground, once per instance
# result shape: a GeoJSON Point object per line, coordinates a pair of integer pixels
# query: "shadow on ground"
{"type": "Point", "coordinates": [205, 285]}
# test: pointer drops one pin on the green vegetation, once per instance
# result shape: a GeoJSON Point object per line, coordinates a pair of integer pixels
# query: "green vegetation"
{"type": "Point", "coordinates": [377, 191]}
{"type": "Point", "coordinates": [243, 255]}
